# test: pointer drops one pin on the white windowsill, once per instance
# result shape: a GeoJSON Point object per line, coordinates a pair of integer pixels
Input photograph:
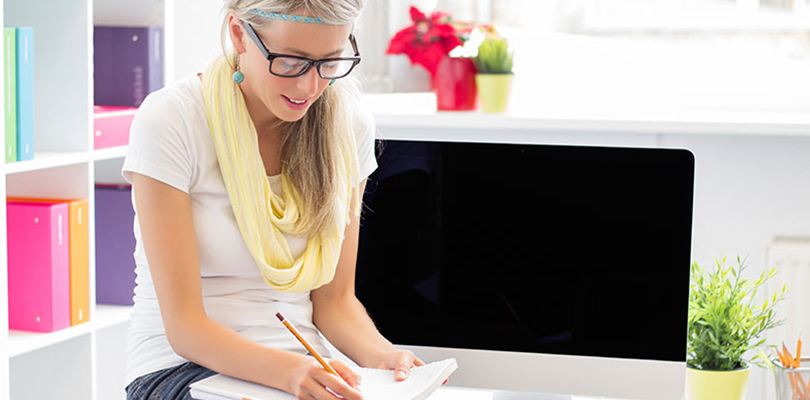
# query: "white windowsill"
{"type": "Point", "coordinates": [578, 83]}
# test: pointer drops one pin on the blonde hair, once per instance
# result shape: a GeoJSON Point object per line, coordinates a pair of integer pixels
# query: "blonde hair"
{"type": "Point", "coordinates": [312, 148]}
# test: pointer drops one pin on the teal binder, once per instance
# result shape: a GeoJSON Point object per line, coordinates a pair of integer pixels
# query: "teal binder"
{"type": "Point", "coordinates": [25, 94]}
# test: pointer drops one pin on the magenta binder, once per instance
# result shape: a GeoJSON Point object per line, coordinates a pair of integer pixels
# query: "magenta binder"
{"type": "Point", "coordinates": [38, 266]}
{"type": "Point", "coordinates": [115, 244]}
{"type": "Point", "coordinates": [111, 126]}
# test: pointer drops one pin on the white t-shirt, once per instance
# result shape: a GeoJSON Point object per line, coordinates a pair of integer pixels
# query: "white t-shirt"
{"type": "Point", "coordinates": [170, 141]}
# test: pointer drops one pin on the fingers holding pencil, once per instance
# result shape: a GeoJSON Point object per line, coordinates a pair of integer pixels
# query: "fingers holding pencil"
{"type": "Point", "coordinates": [316, 383]}
{"type": "Point", "coordinates": [346, 373]}
{"type": "Point", "coordinates": [323, 380]}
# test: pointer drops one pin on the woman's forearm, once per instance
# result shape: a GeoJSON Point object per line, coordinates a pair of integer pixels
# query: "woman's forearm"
{"type": "Point", "coordinates": [340, 316]}
{"type": "Point", "coordinates": [215, 346]}
{"type": "Point", "coordinates": [346, 324]}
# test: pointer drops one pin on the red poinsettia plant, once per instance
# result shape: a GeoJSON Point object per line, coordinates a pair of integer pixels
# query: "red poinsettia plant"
{"type": "Point", "coordinates": [429, 39]}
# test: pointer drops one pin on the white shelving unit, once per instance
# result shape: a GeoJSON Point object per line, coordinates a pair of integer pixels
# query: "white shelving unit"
{"type": "Point", "coordinates": [86, 361]}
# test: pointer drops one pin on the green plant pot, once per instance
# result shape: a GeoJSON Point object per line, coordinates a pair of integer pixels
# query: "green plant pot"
{"type": "Point", "coordinates": [716, 385]}
{"type": "Point", "coordinates": [494, 90]}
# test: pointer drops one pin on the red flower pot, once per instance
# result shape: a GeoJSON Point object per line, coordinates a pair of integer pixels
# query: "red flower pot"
{"type": "Point", "coordinates": [454, 84]}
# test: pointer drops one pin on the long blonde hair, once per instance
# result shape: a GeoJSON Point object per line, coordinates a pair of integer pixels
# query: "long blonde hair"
{"type": "Point", "coordinates": [312, 148]}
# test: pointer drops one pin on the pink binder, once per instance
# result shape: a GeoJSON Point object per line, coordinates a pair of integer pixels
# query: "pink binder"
{"type": "Point", "coordinates": [38, 266]}
{"type": "Point", "coordinates": [111, 126]}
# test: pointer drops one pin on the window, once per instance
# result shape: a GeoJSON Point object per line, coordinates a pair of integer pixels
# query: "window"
{"type": "Point", "coordinates": [739, 54]}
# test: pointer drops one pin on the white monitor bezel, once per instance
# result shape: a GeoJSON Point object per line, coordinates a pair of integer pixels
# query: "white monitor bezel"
{"type": "Point", "coordinates": [618, 378]}
{"type": "Point", "coordinates": [561, 374]}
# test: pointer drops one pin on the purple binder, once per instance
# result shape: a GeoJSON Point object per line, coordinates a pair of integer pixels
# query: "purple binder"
{"type": "Point", "coordinates": [128, 64]}
{"type": "Point", "coordinates": [115, 243]}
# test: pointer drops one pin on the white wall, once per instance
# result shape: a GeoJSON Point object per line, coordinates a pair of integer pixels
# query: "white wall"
{"type": "Point", "coordinates": [748, 189]}
{"type": "Point", "coordinates": [194, 38]}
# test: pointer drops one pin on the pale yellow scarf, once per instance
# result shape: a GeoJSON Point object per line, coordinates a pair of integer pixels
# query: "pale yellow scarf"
{"type": "Point", "coordinates": [261, 214]}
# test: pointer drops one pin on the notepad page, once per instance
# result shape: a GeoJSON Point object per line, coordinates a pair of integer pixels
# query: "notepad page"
{"type": "Point", "coordinates": [376, 384]}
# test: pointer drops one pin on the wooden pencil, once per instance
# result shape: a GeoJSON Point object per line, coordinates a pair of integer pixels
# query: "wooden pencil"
{"type": "Point", "coordinates": [306, 344]}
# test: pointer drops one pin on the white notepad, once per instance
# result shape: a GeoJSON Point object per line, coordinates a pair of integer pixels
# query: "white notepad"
{"type": "Point", "coordinates": [376, 384]}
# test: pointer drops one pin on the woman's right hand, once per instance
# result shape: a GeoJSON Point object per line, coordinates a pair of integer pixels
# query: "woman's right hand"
{"type": "Point", "coordinates": [311, 381]}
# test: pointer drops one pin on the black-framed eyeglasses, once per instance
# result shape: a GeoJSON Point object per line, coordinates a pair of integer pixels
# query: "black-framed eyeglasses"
{"type": "Point", "coordinates": [289, 66]}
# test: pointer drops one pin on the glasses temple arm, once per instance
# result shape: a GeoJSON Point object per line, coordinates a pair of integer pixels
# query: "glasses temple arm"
{"type": "Point", "coordinates": [252, 33]}
{"type": "Point", "coordinates": [354, 45]}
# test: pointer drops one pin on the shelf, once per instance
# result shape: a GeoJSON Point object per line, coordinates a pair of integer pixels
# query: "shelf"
{"type": "Point", "coordinates": [110, 153]}
{"type": "Point", "coordinates": [87, 361]}
{"type": "Point", "coordinates": [45, 160]}
{"type": "Point", "coordinates": [20, 342]}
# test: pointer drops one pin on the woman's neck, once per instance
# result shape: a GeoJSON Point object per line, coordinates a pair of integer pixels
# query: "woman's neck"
{"type": "Point", "coordinates": [264, 120]}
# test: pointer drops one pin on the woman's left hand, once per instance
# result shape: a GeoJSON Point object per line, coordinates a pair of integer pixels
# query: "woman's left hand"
{"type": "Point", "coordinates": [401, 361]}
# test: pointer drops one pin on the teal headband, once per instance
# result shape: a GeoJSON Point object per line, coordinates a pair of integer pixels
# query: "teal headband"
{"type": "Point", "coordinates": [285, 17]}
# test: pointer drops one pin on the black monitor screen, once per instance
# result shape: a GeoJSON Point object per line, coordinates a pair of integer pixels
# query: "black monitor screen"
{"type": "Point", "coordinates": [533, 248]}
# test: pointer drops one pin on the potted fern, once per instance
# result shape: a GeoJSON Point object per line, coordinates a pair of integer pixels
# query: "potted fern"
{"type": "Point", "coordinates": [494, 73]}
{"type": "Point", "coordinates": [725, 327]}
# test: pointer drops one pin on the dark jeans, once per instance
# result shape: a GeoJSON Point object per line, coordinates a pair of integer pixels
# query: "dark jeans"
{"type": "Point", "coordinates": [167, 384]}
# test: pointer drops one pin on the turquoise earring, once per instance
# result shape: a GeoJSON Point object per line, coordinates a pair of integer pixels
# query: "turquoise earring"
{"type": "Point", "coordinates": [238, 77]}
{"type": "Point", "coordinates": [332, 81]}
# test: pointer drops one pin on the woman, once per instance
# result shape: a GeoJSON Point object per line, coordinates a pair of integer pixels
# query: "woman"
{"type": "Point", "coordinates": [247, 182]}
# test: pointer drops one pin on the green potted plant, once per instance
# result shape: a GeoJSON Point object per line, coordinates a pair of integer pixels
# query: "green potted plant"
{"type": "Point", "coordinates": [494, 73]}
{"type": "Point", "coordinates": [725, 328]}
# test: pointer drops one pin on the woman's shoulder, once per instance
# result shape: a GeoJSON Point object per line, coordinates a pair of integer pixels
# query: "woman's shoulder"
{"type": "Point", "coordinates": [163, 139]}
{"type": "Point", "coordinates": [177, 105]}
{"type": "Point", "coordinates": [185, 92]}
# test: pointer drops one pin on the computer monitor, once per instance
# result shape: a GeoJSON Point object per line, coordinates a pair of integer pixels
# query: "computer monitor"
{"type": "Point", "coordinates": [540, 268]}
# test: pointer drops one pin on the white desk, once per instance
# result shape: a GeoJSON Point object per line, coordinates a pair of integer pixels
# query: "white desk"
{"type": "Point", "coordinates": [456, 393]}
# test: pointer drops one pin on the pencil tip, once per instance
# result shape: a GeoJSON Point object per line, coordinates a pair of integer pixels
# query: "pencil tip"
{"type": "Point", "coordinates": [280, 316]}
